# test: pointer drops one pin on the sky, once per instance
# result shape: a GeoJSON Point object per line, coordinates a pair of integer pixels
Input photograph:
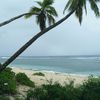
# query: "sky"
{"type": "Point", "coordinates": [69, 38]}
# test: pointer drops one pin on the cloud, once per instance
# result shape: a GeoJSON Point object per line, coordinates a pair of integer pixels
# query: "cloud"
{"type": "Point", "coordinates": [69, 38]}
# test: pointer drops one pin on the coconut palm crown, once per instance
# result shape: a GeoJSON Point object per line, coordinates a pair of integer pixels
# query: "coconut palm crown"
{"type": "Point", "coordinates": [46, 12]}
{"type": "Point", "coordinates": [80, 5]}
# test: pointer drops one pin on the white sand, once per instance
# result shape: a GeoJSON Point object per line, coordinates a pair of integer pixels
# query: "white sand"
{"type": "Point", "coordinates": [55, 77]}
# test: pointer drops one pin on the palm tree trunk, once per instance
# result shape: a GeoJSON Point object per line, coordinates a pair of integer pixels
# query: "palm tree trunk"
{"type": "Point", "coordinates": [14, 18]}
{"type": "Point", "coordinates": [24, 47]}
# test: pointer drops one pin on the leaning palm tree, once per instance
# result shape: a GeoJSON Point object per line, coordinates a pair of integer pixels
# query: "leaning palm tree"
{"type": "Point", "coordinates": [74, 6]}
{"type": "Point", "coordinates": [46, 12]}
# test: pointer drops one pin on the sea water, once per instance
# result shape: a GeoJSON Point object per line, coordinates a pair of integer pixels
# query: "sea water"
{"type": "Point", "coordinates": [85, 65]}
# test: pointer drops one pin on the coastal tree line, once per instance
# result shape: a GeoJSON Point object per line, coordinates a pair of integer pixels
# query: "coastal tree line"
{"type": "Point", "coordinates": [46, 12]}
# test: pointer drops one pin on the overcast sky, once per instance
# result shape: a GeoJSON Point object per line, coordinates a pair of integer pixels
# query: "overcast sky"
{"type": "Point", "coordinates": [69, 38]}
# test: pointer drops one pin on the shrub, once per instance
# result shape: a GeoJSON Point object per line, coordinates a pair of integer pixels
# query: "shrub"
{"type": "Point", "coordinates": [22, 79]}
{"type": "Point", "coordinates": [37, 94]}
{"type": "Point", "coordinates": [39, 74]}
{"type": "Point", "coordinates": [91, 89]}
{"type": "Point", "coordinates": [10, 72]}
{"type": "Point", "coordinates": [7, 82]}
{"type": "Point", "coordinates": [72, 92]}
{"type": "Point", "coordinates": [53, 92]}
{"type": "Point", "coordinates": [4, 98]}
{"type": "Point", "coordinates": [18, 98]}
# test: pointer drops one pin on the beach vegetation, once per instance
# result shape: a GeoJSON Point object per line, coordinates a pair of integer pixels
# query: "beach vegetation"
{"type": "Point", "coordinates": [3, 97]}
{"type": "Point", "coordinates": [19, 98]}
{"type": "Point", "coordinates": [54, 92]}
{"type": "Point", "coordinates": [89, 90]}
{"type": "Point", "coordinates": [39, 74]}
{"type": "Point", "coordinates": [7, 82]}
{"type": "Point", "coordinates": [23, 79]}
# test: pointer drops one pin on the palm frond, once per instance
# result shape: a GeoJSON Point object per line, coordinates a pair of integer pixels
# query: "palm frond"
{"type": "Point", "coordinates": [28, 15]}
{"type": "Point", "coordinates": [39, 3]}
{"type": "Point", "coordinates": [47, 3]}
{"type": "Point", "coordinates": [79, 14]}
{"type": "Point", "coordinates": [71, 5]}
{"type": "Point", "coordinates": [46, 11]}
{"type": "Point", "coordinates": [51, 10]}
{"type": "Point", "coordinates": [94, 7]}
{"type": "Point", "coordinates": [51, 19]}
{"type": "Point", "coordinates": [32, 11]}
{"type": "Point", "coordinates": [67, 5]}
{"type": "Point", "coordinates": [84, 4]}
{"type": "Point", "coordinates": [79, 4]}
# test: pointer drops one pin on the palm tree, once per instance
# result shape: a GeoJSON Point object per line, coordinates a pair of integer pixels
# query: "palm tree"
{"type": "Point", "coordinates": [73, 6]}
{"type": "Point", "coordinates": [81, 5]}
{"type": "Point", "coordinates": [46, 12]}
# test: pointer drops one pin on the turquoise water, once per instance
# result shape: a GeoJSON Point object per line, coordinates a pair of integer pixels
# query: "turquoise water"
{"type": "Point", "coordinates": [86, 65]}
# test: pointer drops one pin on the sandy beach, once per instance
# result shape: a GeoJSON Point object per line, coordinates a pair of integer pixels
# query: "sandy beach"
{"type": "Point", "coordinates": [62, 78]}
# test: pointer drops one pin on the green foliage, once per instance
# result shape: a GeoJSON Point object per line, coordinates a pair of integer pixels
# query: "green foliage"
{"type": "Point", "coordinates": [39, 74]}
{"type": "Point", "coordinates": [22, 79]}
{"type": "Point", "coordinates": [89, 90]}
{"type": "Point", "coordinates": [46, 12]}
{"type": "Point", "coordinates": [7, 82]}
{"type": "Point", "coordinates": [54, 92]}
{"type": "Point", "coordinates": [18, 98]}
{"type": "Point", "coordinates": [80, 5]}
{"type": "Point", "coordinates": [4, 98]}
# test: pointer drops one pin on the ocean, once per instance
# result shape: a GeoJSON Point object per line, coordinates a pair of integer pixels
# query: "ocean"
{"type": "Point", "coordinates": [84, 65]}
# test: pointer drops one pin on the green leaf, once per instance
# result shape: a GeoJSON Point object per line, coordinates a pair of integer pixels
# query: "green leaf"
{"type": "Point", "coordinates": [32, 11]}
{"type": "Point", "coordinates": [94, 7]}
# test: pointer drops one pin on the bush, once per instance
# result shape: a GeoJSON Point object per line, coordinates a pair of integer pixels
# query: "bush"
{"type": "Point", "coordinates": [22, 79]}
{"type": "Point", "coordinates": [39, 74]}
{"type": "Point", "coordinates": [18, 98]}
{"type": "Point", "coordinates": [91, 89]}
{"type": "Point", "coordinates": [4, 98]}
{"type": "Point", "coordinates": [54, 92]}
{"type": "Point", "coordinates": [7, 82]}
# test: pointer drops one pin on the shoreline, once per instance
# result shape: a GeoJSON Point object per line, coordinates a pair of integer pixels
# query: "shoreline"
{"type": "Point", "coordinates": [61, 78]}
{"type": "Point", "coordinates": [56, 72]}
